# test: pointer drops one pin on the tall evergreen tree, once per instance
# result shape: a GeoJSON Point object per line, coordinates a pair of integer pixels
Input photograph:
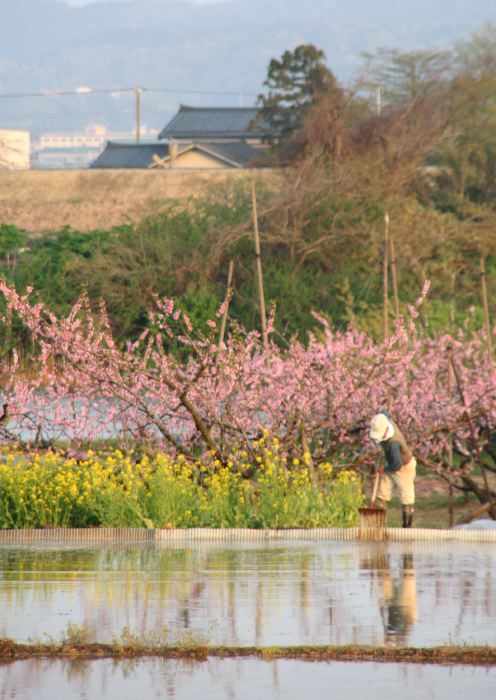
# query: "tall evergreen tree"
{"type": "Point", "coordinates": [294, 83]}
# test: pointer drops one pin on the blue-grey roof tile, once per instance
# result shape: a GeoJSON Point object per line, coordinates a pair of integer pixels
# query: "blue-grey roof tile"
{"type": "Point", "coordinates": [140, 155]}
{"type": "Point", "coordinates": [129, 155]}
{"type": "Point", "coordinates": [212, 122]}
{"type": "Point", "coordinates": [236, 153]}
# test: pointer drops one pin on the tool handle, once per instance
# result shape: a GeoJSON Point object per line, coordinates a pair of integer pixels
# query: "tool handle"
{"type": "Point", "coordinates": [375, 487]}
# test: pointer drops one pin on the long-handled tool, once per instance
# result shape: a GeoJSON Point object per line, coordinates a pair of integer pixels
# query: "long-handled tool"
{"type": "Point", "coordinates": [375, 488]}
{"type": "Point", "coordinates": [372, 519]}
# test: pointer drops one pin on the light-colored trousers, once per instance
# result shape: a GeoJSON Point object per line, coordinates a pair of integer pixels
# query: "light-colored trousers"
{"type": "Point", "coordinates": [402, 480]}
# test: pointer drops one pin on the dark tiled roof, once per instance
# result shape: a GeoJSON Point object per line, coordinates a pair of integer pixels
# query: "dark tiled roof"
{"type": "Point", "coordinates": [140, 155]}
{"type": "Point", "coordinates": [129, 155]}
{"type": "Point", "coordinates": [236, 154]}
{"type": "Point", "coordinates": [211, 122]}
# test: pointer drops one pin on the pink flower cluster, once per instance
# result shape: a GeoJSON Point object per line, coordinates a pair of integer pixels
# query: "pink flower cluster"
{"type": "Point", "coordinates": [81, 385]}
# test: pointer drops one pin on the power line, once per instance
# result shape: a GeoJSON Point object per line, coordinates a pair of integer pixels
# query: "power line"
{"type": "Point", "coordinates": [63, 93]}
{"type": "Point", "coordinates": [112, 91]}
{"type": "Point", "coordinates": [204, 92]}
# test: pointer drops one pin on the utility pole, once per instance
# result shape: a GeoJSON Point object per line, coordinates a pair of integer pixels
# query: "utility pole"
{"type": "Point", "coordinates": [137, 93]}
{"type": "Point", "coordinates": [378, 100]}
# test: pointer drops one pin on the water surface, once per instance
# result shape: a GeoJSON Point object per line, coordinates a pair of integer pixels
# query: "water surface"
{"type": "Point", "coordinates": [419, 594]}
{"type": "Point", "coordinates": [244, 679]}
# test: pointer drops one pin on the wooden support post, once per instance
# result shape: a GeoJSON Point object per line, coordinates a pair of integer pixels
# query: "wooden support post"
{"type": "Point", "coordinates": [451, 505]}
{"type": "Point", "coordinates": [394, 279]}
{"type": "Point", "coordinates": [8, 331]}
{"type": "Point", "coordinates": [259, 265]}
{"type": "Point", "coordinates": [485, 305]}
{"type": "Point", "coordinates": [385, 278]}
{"type": "Point", "coordinates": [226, 302]}
{"type": "Point", "coordinates": [452, 303]}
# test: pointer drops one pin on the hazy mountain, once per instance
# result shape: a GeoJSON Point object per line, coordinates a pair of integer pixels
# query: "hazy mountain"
{"type": "Point", "coordinates": [179, 46]}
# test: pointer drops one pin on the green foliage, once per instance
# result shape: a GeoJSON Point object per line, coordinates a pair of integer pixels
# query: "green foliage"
{"type": "Point", "coordinates": [329, 262]}
{"type": "Point", "coordinates": [461, 86]}
{"type": "Point", "coordinates": [113, 491]}
{"type": "Point", "coordinates": [466, 155]}
{"type": "Point", "coordinates": [294, 82]}
{"type": "Point", "coordinates": [321, 220]}
{"type": "Point", "coordinates": [49, 263]}
{"type": "Point", "coordinates": [11, 239]}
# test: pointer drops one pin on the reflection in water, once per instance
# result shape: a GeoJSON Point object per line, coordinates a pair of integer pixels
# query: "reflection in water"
{"type": "Point", "coordinates": [396, 592]}
{"type": "Point", "coordinates": [402, 602]}
{"type": "Point", "coordinates": [245, 594]}
{"type": "Point", "coordinates": [239, 680]}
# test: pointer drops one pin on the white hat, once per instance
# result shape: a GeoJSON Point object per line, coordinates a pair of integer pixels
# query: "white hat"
{"type": "Point", "coordinates": [380, 428]}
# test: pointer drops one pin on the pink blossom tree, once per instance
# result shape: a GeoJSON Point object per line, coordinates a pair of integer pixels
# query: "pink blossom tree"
{"type": "Point", "coordinates": [316, 398]}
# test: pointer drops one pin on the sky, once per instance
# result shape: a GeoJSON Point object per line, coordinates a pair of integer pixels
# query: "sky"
{"type": "Point", "coordinates": [194, 52]}
{"type": "Point", "coordinates": [79, 3]}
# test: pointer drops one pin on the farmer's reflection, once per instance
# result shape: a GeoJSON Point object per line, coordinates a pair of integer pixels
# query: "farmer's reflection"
{"type": "Point", "coordinates": [397, 595]}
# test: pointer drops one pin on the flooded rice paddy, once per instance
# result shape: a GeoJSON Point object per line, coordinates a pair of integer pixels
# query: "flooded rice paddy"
{"type": "Point", "coordinates": [419, 594]}
{"type": "Point", "coordinates": [282, 594]}
{"type": "Point", "coordinates": [240, 680]}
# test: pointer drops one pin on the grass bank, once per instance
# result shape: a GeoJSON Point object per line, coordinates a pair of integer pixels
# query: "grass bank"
{"type": "Point", "coordinates": [432, 505]}
{"type": "Point", "coordinates": [475, 656]}
{"type": "Point", "coordinates": [40, 200]}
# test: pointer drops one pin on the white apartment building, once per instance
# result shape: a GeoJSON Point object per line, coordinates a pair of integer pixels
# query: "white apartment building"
{"type": "Point", "coordinates": [94, 136]}
{"type": "Point", "coordinates": [62, 150]}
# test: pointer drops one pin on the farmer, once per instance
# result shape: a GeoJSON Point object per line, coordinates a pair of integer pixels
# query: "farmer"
{"type": "Point", "coordinates": [400, 466]}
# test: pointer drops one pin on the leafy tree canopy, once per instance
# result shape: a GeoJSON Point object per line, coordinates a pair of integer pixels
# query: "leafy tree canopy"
{"type": "Point", "coordinates": [404, 76]}
{"type": "Point", "coordinates": [294, 83]}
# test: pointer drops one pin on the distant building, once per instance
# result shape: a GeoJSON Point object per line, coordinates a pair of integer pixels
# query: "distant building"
{"type": "Point", "coordinates": [193, 156]}
{"type": "Point", "coordinates": [72, 150]}
{"type": "Point", "coordinates": [130, 155]}
{"type": "Point", "coordinates": [212, 138]}
{"type": "Point", "coordinates": [14, 149]}
{"type": "Point", "coordinates": [209, 155]}
{"type": "Point", "coordinates": [213, 124]}
{"type": "Point", "coordinates": [94, 136]}
{"type": "Point", "coordinates": [197, 138]}
{"type": "Point", "coordinates": [69, 158]}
